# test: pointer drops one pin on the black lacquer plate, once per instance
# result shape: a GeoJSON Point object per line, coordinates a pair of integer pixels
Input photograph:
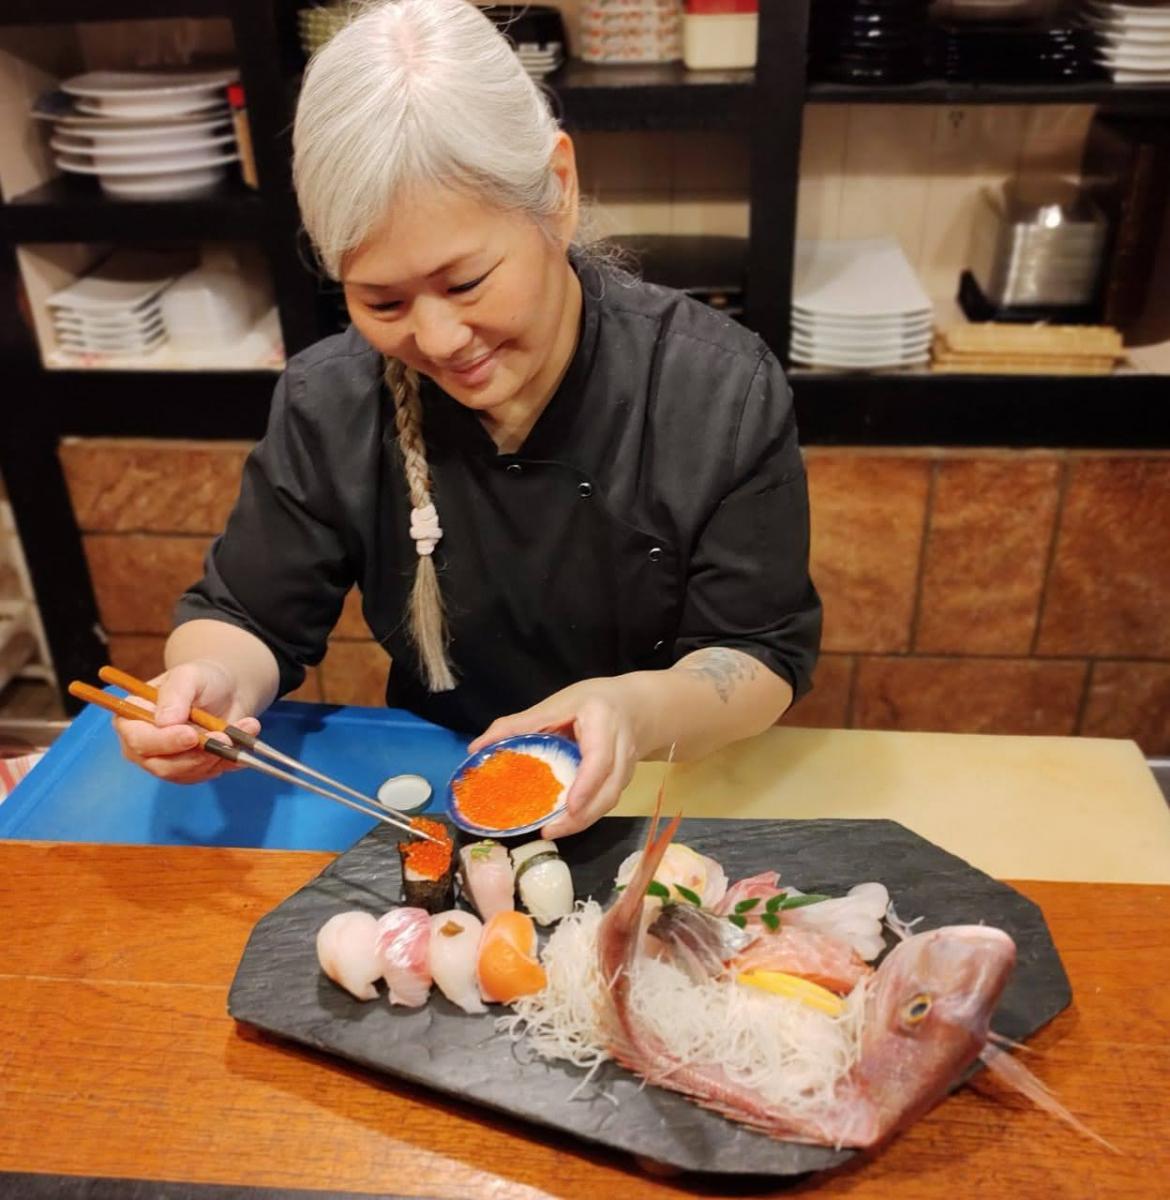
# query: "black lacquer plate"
{"type": "Point", "coordinates": [280, 989]}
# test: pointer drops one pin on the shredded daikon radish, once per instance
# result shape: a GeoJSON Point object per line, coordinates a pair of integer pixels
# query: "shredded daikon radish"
{"type": "Point", "coordinates": [791, 1055]}
{"type": "Point", "coordinates": [564, 1019]}
{"type": "Point", "coordinates": [787, 1052]}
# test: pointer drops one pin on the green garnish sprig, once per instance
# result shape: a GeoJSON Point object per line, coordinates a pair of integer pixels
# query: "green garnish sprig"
{"type": "Point", "coordinates": [770, 917]}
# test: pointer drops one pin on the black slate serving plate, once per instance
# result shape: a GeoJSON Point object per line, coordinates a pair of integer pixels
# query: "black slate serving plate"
{"type": "Point", "coordinates": [280, 989]}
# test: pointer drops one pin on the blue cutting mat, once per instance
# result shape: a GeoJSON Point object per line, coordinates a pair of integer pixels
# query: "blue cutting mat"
{"type": "Point", "coordinates": [85, 791]}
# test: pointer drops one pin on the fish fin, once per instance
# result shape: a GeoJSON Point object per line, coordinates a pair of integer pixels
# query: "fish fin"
{"type": "Point", "coordinates": [1006, 1043]}
{"type": "Point", "coordinates": [629, 906]}
{"type": "Point", "coordinates": [1018, 1077]}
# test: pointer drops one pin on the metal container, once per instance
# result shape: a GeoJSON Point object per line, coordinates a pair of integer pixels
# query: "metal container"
{"type": "Point", "coordinates": [1038, 242]}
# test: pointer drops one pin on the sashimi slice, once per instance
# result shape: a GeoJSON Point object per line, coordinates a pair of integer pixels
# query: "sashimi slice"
{"type": "Point", "coordinates": [507, 968]}
{"type": "Point", "coordinates": [813, 956]}
{"type": "Point", "coordinates": [404, 939]}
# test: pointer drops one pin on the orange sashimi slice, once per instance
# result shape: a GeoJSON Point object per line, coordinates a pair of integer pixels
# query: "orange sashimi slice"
{"type": "Point", "coordinates": [507, 967]}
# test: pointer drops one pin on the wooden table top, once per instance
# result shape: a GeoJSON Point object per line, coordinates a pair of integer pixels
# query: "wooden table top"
{"type": "Point", "coordinates": [118, 1058]}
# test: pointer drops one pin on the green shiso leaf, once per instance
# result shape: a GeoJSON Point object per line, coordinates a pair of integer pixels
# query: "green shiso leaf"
{"type": "Point", "coordinates": [801, 901]}
{"type": "Point", "coordinates": [657, 889]}
{"type": "Point", "coordinates": [747, 905]}
{"type": "Point", "coordinates": [687, 894]}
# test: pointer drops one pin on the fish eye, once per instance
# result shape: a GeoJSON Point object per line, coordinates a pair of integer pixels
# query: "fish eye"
{"type": "Point", "coordinates": [917, 1009]}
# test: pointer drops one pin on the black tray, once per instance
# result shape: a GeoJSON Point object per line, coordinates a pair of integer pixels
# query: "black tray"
{"type": "Point", "coordinates": [279, 987]}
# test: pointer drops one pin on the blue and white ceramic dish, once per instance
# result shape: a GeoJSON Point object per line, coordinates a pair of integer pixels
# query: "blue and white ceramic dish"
{"type": "Point", "coordinates": [561, 754]}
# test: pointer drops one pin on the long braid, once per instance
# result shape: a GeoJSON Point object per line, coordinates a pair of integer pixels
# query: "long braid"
{"type": "Point", "coordinates": [427, 622]}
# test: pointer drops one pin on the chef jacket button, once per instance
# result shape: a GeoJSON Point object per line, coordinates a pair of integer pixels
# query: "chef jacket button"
{"type": "Point", "coordinates": [514, 468]}
{"type": "Point", "coordinates": [655, 554]}
{"type": "Point", "coordinates": [585, 490]}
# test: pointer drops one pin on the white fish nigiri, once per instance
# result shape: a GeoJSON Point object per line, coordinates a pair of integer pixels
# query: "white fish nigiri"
{"type": "Point", "coordinates": [543, 881]}
{"type": "Point", "coordinates": [404, 941]}
{"type": "Point", "coordinates": [347, 949]}
{"type": "Point", "coordinates": [453, 952]}
{"type": "Point", "coordinates": [487, 877]}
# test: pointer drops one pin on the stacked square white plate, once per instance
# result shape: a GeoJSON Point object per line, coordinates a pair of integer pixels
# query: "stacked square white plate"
{"type": "Point", "coordinates": [147, 134]}
{"type": "Point", "coordinates": [858, 305]}
{"type": "Point", "coordinates": [1135, 39]}
{"type": "Point", "coordinates": [115, 309]}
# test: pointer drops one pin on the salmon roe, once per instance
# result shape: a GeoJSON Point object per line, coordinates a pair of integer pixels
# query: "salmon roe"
{"type": "Point", "coordinates": [428, 860]}
{"type": "Point", "coordinates": [506, 790]}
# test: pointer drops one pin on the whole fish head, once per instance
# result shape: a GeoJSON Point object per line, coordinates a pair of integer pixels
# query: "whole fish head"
{"type": "Point", "coordinates": [927, 1013]}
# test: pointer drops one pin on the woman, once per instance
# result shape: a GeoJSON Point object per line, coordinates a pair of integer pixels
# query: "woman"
{"type": "Point", "coordinates": [570, 500]}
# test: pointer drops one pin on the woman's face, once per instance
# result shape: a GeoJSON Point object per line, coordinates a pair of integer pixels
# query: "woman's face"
{"type": "Point", "coordinates": [475, 298]}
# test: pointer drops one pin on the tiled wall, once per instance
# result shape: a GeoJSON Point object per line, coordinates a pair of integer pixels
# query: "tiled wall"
{"type": "Point", "coordinates": [986, 591]}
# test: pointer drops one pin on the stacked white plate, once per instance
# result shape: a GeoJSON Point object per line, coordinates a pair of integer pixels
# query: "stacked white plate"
{"type": "Point", "coordinates": [1135, 39]}
{"type": "Point", "coordinates": [858, 305]}
{"type": "Point", "coordinates": [540, 59]}
{"type": "Point", "coordinates": [115, 309]}
{"type": "Point", "coordinates": [147, 134]}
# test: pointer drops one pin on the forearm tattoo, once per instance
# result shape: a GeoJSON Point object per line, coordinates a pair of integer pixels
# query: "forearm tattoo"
{"type": "Point", "coordinates": [724, 668]}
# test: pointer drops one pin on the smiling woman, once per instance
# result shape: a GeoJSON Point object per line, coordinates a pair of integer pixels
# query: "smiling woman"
{"type": "Point", "coordinates": [570, 500]}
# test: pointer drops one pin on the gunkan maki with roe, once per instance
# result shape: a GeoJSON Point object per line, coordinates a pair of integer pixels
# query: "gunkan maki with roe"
{"type": "Point", "coordinates": [428, 868]}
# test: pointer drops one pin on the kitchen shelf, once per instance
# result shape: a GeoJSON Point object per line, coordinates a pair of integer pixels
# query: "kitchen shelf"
{"type": "Point", "coordinates": [77, 210]}
{"type": "Point", "coordinates": [205, 405]}
{"type": "Point", "coordinates": [649, 97]}
{"type": "Point", "coordinates": [1127, 97]}
{"type": "Point", "coordinates": [923, 408]}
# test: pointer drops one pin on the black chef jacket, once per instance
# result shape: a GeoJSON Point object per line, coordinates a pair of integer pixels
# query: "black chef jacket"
{"type": "Point", "coordinates": [659, 505]}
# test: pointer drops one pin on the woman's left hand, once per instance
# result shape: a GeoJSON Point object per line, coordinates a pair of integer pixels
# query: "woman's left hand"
{"type": "Point", "coordinates": [600, 714]}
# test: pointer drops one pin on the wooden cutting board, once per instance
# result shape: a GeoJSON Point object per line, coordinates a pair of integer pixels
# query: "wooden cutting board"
{"type": "Point", "coordinates": [1016, 807]}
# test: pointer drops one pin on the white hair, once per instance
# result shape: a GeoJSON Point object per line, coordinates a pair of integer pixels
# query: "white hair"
{"type": "Point", "coordinates": [417, 92]}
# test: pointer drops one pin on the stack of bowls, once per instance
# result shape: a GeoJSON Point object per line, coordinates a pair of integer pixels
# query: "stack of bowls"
{"type": "Point", "coordinates": [869, 41]}
{"type": "Point", "coordinates": [858, 305]}
{"type": "Point", "coordinates": [1135, 39]}
{"type": "Point", "coordinates": [1029, 53]}
{"type": "Point", "coordinates": [147, 135]}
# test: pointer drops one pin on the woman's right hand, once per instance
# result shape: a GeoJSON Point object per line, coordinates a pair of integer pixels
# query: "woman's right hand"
{"type": "Point", "coordinates": [170, 748]}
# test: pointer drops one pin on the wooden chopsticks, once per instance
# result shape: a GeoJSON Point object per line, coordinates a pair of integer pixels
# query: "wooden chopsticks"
{"type": "Point", "coordinates": [243, 748]}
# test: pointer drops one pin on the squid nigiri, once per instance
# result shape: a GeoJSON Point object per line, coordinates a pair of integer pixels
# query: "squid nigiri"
{"type": "Point", "coordinates": [455, 937]}
{"type": "Point", "coordinates": [347, 949]}
{"type": "Point", "coordinates": [404, 939]}
{"type": "Point", "coordinates": [487, 877]}
{"type": "Point", "coordinates": [507, 966]}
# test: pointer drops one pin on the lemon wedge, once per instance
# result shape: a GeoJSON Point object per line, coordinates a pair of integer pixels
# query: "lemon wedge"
{"type": "Point", "coordinates": [780, 983]}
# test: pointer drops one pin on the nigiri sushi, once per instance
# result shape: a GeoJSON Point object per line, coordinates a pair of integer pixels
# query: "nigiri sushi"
{"type": "Point", "coordinates": [507, 966]}
{"type": "Point", "coordinates": [455, 937]}
{"type": "Point", "coordinates": [486, 875]}
{"type": "Point", "coordinates": [543, 881]}
{"type": "Point", "coordinates": [404, 940]}
{"type": "Point", "coordinates": [347, 949]}
{"type": "Point", "coordinates": [428, 868]}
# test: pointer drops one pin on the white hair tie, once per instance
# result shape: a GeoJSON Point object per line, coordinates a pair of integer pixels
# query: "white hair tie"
{"type": "Point", "coordinates": [425, 528]}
